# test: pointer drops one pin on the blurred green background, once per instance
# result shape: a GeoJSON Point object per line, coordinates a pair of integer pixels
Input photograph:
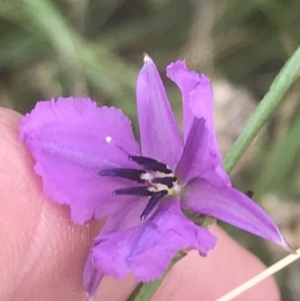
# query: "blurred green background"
{"type": "Point", "coordinates": [95, 48]}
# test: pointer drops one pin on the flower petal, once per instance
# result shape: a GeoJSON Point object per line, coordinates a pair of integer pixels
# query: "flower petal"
{"type": "Point", "coordinates": [147, 249]}
{"type": "Point", "coordinates": [71, 141]}
{"type": "Point", "coordinates": [197, 98]}
{"type": "Point", "coordinates": [160, 137]}
{"type": "Point", "coordinates": [231, 206]}
{"type": "Point", "coordinates": [187, 81]}
{"type": "Point", "coordinates": [195, 159]}
{"type": "Point", "coordinates": [91, 278]}
{"type": "Point", "coordinates": [127, 215]}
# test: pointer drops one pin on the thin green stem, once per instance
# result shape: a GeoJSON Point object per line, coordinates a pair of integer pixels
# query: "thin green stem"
{"type": "Point", "coordinates": [283, 81]}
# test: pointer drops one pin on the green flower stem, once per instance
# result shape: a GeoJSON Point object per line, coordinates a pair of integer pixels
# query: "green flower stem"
{"type": "Point", "coordinates": [283, 81]}
{"type": "Point", "coordinates": [145, 291]}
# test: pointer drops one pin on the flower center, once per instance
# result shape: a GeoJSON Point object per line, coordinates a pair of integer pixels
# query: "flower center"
{"type": "Point", "coordinates": [158, 179]}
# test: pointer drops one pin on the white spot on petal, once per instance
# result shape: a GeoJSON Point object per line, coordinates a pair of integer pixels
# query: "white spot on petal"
{"type": "Point", "coordinates": [108, 139]}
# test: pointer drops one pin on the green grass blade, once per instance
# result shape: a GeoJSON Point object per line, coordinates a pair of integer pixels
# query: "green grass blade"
{"type": "Point", "coordinates": [283, 81]}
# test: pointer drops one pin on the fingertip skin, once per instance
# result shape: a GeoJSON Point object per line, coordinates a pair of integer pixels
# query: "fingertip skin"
{"type": "Point", "coordinates": [229, 265]}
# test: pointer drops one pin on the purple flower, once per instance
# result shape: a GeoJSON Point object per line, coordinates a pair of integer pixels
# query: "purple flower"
{"type": "Point", "coordinates": [88, 158]}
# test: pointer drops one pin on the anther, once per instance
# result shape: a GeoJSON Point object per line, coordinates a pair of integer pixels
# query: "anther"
{"type": "Point", "coordinates": [155, 198]}
{"type": "Point", "coordinates": [150, 164]}
{"type": "Point", "coordinates": [167, 181]}
{"type": "Point", "coordinates": [139, 191]}
{"type": "Point", "coordinates": [127, 173]}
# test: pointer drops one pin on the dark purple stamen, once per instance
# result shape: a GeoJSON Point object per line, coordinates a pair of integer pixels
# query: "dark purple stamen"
{"type": "Point", "coordinates": [155, 198]}
{"type": "Point", "coordinates": [127, 173]}
{"type": "Point", "coordinates": [140, 191]}
{"type": "Point", "coordinates": [168, 181]}
{"type": "Point", "coordinates": [150, 164]}
{"type": "Point", "coordinates": [146, 165]}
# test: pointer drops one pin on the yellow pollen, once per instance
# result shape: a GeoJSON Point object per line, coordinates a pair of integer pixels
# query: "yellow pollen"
{"type": "Point", "coordinates": [149, 176]}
